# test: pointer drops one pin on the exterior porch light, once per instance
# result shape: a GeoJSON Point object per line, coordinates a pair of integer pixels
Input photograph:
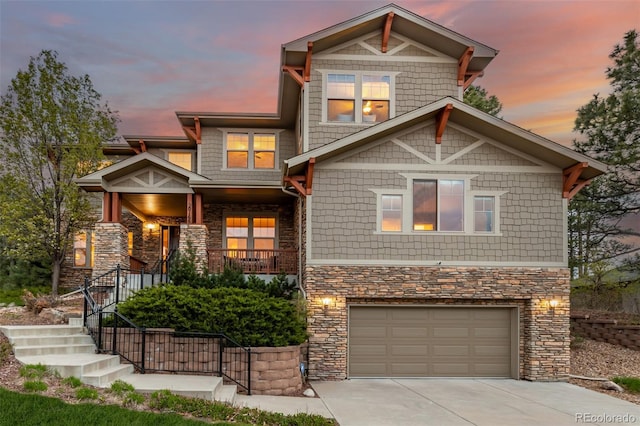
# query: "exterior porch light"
{"type": "Point", "coordinates": [326, 302]}
{"type": "Point", "coordinates": [151, 226]}
{"type": "Point", "coordinates": [553, 304]}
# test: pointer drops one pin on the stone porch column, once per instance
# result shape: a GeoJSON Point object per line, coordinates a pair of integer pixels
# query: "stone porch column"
{"type": "Point", "coordinates": [110, 247]}
{"type": "Point", "coordinates": [195, 236]}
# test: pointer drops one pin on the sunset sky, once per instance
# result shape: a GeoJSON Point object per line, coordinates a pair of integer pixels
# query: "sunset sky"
{"type": "Point", "coordinates": [151, 58]}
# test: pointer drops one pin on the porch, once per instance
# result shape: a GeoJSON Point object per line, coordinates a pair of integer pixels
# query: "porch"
{"type": "Point", "coordinates": [253, 261]}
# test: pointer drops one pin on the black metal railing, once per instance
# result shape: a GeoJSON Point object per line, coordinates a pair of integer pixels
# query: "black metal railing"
{"type": "Point", "coordinates": [158, 350]}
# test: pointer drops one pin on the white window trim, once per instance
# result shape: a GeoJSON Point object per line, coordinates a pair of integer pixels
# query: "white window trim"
{"type": "Point", "coordinates": [358, 95]}
{"type": "Point", "coordinates": [250, 165]}
{"type": "Point", "coordinates": [407, 206]}
{"type": "Point", "coordinates": [167, 151]}
{"type": "Point", "coordinates": [250, 215]}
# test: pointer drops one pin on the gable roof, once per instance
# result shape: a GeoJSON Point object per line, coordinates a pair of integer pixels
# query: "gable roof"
{"type": "Point", "coordinates": [294, 53]}
{"type": "Point", "coordinates": [98, 181]}
{"type": "Point", "coordinates": [467, 116]}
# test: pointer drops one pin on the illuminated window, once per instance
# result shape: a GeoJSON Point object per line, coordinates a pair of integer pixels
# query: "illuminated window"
{"type": "Point", "coordinates": [130, 243]}
{"type": "Point", "coordinates": [438, 205]}
{"type": "Point", "coordinates": [371, 92]}
{"type": "Point", "coordinates": [250, 150]}
{"type": "Point", "coordinates": [182, 159]}
{"type": "Point", "coordinates": [392, 213]}
{"type": "Point", "coordinates": [250, 233]}
{"type": "Point", "coordinates": [83, 252]}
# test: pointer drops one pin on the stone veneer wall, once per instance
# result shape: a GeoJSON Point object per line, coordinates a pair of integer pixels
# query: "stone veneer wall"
{"type": "Point", "coordinates": [607, 331]}
{"type": "Point", "coordinates": [110, 247]}
{"type": "Point", "coordinates": [543, 334]}
{"type": "Point", "coordinates": [195, 236]}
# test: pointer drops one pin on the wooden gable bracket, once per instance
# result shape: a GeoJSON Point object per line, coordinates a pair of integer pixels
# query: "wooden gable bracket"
{"type": "Point", "coordinates": [441, 121]}
{"type": "Point", "coordinates": [463, 64]}
{"type": "Point", "coordinates": [301, 74]}
{"type": "Point", "coordinates": [195, 133]}
{"type": "Point", "coordinates": [303, 183]}
{"type": "Point", "coordinates": [297, 73]}
{"type": "Point", "coordinates": [386, 32]}
{"type": "Point", "coordinates": [143, 147]}
{"type": "Point", "coordinates": [571, 182]}
{"type": "Point", "coordinates": [469, 77]}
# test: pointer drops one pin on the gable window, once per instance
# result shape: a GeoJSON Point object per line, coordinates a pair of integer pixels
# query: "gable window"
{"type": "Point", "coordinates": [248, 232]}
{"type": "Point", "coordinates": [181, 159]}
{"type": "Point", "coordinates": [438, 205]}
{"type": "Point", "coordinates": [83, 250]}
{"type": "Point", "coordinates": [431, 204]}
{"type": "Point", "coordinates": [250, 150]}
{"type": "Point", "coordinates": [358, 97]}
{"type": "Point", "coordinates": [483, 213]}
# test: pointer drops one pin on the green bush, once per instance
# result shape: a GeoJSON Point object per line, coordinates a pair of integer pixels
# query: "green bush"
{"type": "Point", "coordinates": [35, 386]}
{"type": "Point", "coordinates": [74, 382]}
{"type": "Point", "coordinates": [631, 384]}
{"type": "Point", "coordinates": [249, 317]}
{"type": "Point", "coordinates": [34, 371]}
{"type": "Point", "coordinates": [86, 393]}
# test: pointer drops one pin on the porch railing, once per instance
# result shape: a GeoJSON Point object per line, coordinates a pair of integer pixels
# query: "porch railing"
{"type": "Point", "coordinates": [251, 261]}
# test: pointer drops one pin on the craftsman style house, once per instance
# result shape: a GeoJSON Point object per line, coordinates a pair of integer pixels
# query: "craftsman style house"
{"type": "Point", "coordinates": [429, 238]}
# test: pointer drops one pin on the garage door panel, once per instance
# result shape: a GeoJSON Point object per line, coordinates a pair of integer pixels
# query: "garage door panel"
{"type": "Point", "coordinates": [402, 341]}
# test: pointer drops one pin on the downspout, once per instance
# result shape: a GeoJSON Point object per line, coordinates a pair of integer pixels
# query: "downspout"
{"type": "Point", "coordinates": [295, 194]}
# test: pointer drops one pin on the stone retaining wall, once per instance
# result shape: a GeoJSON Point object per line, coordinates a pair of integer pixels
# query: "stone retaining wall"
{"type": "Point", "coordinates": [607, 331]}
{"type": "Point", "coordinates": [274, 371]}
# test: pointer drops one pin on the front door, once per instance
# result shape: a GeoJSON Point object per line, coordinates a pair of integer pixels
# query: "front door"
{"type": "Point", "coordinates": [170, 236]}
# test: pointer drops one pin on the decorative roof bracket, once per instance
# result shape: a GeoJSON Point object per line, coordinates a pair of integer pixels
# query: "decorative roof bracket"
{"type": "Point", "coordinates": [386, 32]}
{"type": "Point", "coordinates": [470, 77]}
{"type": "Point", "coordinates": [441, 121]}
{"type": "Point", "coordinates": [297, 73]}
{"type": "Point", "coordinates": [303, 183]}
{"type": "Point", "coordinates": [196, 120]}
{"type": "Point", "coordinates": [463, 64]}
{"type": "Point", "coordinates": [571, 182]}
{"type": "Point", "coordinates": [307, 62]}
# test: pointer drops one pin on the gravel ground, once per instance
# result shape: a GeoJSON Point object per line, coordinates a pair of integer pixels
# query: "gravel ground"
{"type": "Point", "coordinates": [588, 358]}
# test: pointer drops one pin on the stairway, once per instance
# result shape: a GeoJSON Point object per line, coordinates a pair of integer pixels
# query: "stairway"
{"type": "Point", "coordinates": [71, 352]}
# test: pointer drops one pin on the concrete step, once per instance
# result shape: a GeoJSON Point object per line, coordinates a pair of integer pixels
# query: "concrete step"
{"type": "Point", "coordinates": [76, 339]}
{"type": "Point", "coordinates": [24, 351]}
{"type": "Point", "coordinates": [203, 387]}
{"type": "Point", "coordinates": [12, 331]}
{"type": "Point", "coordinates": [104, 377]}
{"type": "Point", "coordinates": [76, 365]}
{"type": "Point", "coordinates": [227, 394]}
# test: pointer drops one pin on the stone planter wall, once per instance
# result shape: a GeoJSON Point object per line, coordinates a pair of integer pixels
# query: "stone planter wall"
{"type": "Point", "coordinates": [606, 331]}
{"type": "Point", "coordinates": [274, 371]}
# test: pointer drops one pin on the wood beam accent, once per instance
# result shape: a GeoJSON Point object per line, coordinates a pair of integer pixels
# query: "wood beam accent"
{"type": "Point", "coordinates": [571, 180]}
{"type": "Point", "coordinates": [441, 121]}
{"type": "Point", "coordinates": [294, 72]}
{"type": "Point", "coordinates": [189, 208]}
{"type": "Point", "coordinates": [191, 133]}
{"type": "Point", "coordinates": [386, 32]}
{"type": "Point", "coordinates": [296, 182]}
{"type": "Point", "coordinates": [309, 175]}
{"type": "Point", "coordinates": [198, 131]}
{"type": "Point", "coordinates": [143, 146]}
{"type": "Point", "coordinates": [307, 62]}
{"type": "Point", "coordinates": [470, 77]}
{"type": "Point", "coordinates": [463, 64]}
{"type": "Point", "coordinates": [199, 210]}
{"type": "Point", "coordinates": [106, 207]}
{"type": "Point", "coordinates": [116, 207]}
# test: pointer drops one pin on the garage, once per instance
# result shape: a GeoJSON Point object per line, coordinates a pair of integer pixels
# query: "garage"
{"type": "Point", "coordinates": [427, 341]}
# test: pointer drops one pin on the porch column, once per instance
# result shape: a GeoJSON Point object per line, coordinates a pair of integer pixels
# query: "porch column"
{"type": "Point", "coordinates": [111, 207]}
{"type": "Point", "coordinates": [110, 247]}
{"type": "Point", "coordinates": [195, 236]}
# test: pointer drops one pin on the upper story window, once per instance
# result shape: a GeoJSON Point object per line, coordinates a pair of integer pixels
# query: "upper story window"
{"type": "Point", "coordinates": [181, 159]}
{"type": "Point", "coordinates": [432, 204]}
{"type": "Point", "coordinates": [250, 232]}
{"type": "Point", "coordinates": [250, 150]}
{"type": "Point", "coordinates": [360, 97]}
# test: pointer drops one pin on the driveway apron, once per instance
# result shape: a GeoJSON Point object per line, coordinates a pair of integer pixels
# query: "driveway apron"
{"type": "Point", "coordinates": [482, 402]}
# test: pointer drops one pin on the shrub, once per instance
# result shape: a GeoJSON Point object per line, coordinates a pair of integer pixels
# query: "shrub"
{"type": "Point", "coordinates": [86, 393]}
{"type": "Point", "coordinates": [35, 386]}
{"type": "Point", "coordinates": [5, 350]}
{"type": "Point", "coordinates": [33, 371]}
{"type": "Point", "coordinates": [631, 384]}
{"type": "Point", "coordinates": [74, 382]}
{"type": "Point", "coordinates": [247, 316]}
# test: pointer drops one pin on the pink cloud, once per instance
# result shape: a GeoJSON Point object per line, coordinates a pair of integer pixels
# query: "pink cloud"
{"type": "Point", "coordinates": [59, 20]}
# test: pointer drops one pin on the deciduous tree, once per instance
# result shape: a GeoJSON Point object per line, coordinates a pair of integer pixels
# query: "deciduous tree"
{"type": "Point", "coordinates": [52, 127]}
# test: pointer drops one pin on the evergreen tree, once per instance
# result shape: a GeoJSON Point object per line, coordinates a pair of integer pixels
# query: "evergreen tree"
{"type": "Point", "coordinates": [478, 98]}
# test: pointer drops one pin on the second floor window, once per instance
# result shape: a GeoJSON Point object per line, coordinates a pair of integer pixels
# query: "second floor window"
{"type": "Point", "coordinates": [250, 232]}
{"type": "Point", "coordinates": [358, 98]}
{"type": "Point", "coordinates": [250, 150]}
{"type": "Point", "coordinates": [182, 159]}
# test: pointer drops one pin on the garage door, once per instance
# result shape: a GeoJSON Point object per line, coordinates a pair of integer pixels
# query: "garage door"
{"type": "Point", "coordinates": [431, 341]}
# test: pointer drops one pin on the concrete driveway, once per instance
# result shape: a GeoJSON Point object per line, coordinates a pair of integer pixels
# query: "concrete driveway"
{"type": "Point", "coordinates": [490, 402]}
